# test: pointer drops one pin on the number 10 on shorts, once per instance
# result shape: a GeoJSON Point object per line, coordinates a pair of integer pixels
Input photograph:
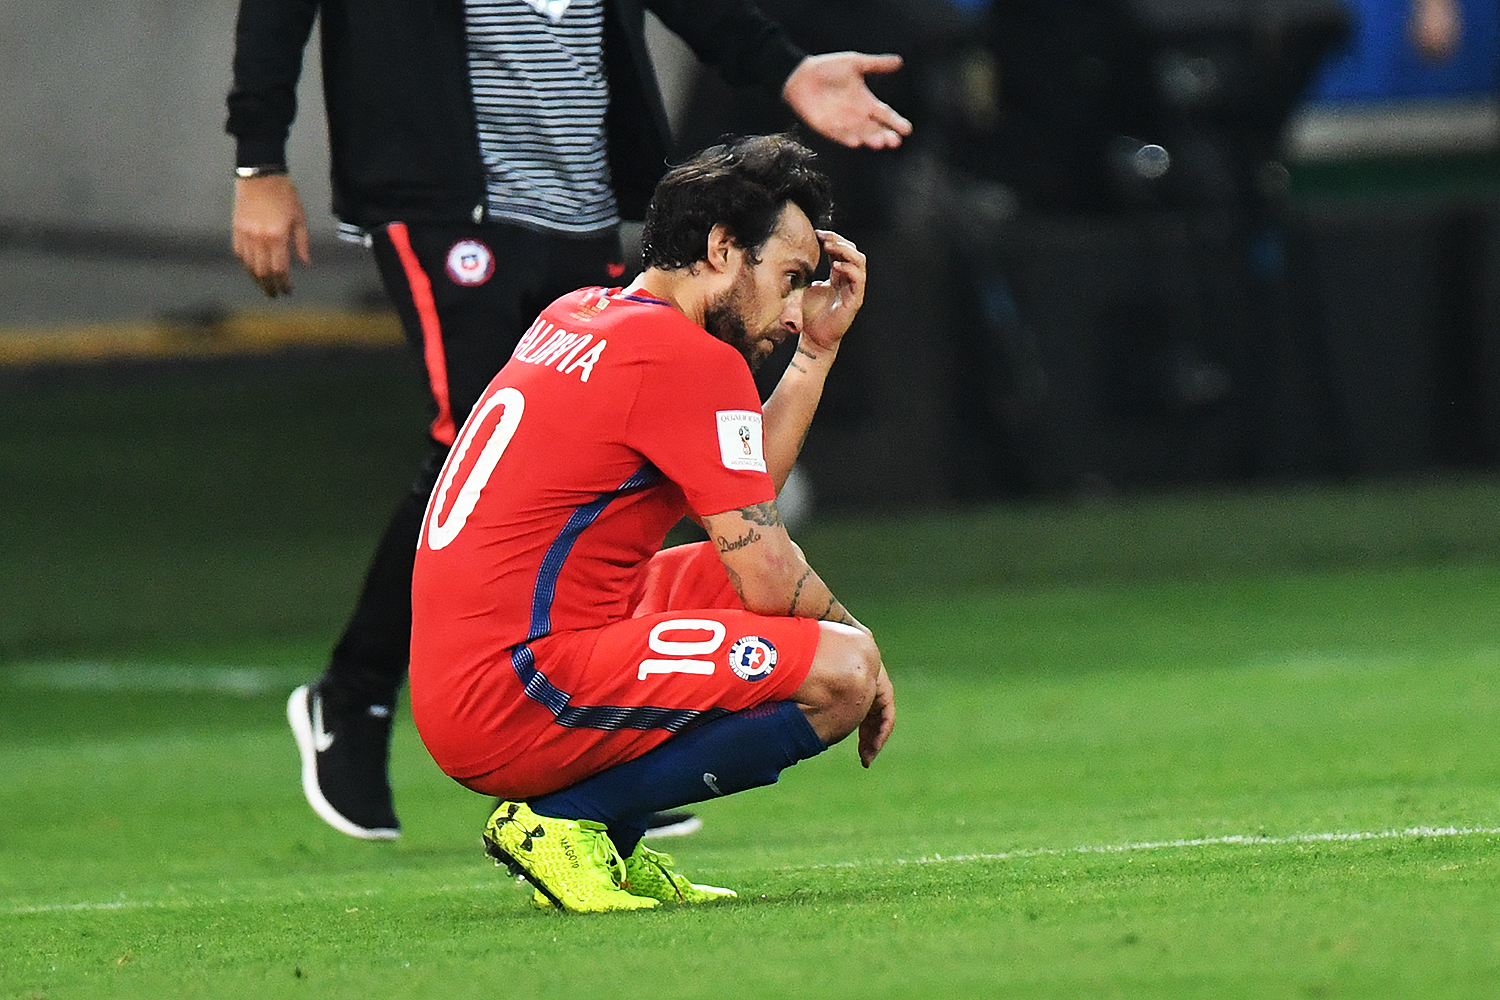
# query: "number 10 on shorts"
{"type": "Point", "coordinates": [676, 653]}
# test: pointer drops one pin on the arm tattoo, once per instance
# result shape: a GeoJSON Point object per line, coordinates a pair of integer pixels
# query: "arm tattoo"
{"type": "Point", "coordinates": [764, 514]}
{"type": "Point", "coordinates": [737, 582]}
{"type": "Point", "coordinates": [725, 545]}
{"type": "Point", "coordinates": [805, 353]}
{"type": "Point", "coordinates": [797, 594]}
{"type": "Point", "coordinates": [835, 612]}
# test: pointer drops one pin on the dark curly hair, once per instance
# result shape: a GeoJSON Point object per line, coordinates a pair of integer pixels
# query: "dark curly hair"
{"type": "Point", "coordinates": [744, 184]}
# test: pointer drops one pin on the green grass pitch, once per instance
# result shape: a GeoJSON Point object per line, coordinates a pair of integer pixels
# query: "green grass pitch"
{"type": "Point", "coordinates": [1232, 744]}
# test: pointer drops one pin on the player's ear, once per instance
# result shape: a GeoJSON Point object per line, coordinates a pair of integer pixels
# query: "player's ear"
{"type": "Point", "coordinates": [721, 248]}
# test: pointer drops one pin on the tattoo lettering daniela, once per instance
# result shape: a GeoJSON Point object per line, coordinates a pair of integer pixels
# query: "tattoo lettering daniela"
{"type": "Point", "coordinates": [725, 545]}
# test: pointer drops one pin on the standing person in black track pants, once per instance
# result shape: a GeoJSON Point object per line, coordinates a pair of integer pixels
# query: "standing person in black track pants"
{"type": "Point", "coordinates": [486, 151]}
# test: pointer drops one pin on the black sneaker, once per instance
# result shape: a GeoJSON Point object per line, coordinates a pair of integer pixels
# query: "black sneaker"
{"type": "Point", "coordinates": [345, 751]}
{"type": "Point", "coordinates": [673, 824]}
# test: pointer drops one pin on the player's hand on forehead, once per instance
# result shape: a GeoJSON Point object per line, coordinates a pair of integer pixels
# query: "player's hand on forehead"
{"type": "Point", "coordinates": [845, 261]}
{"type": "Point", "coordinates": [840, 248]}
{"type": "Point", "coordinates": [828, 307]}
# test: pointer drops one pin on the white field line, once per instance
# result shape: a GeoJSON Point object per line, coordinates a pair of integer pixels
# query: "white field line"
{"type": "Point", "coordinates": [1233, 840]}
{"type": "Point", "coordinates": [188, 902]}
{"type": "Point", "coordinates": [103, 676]}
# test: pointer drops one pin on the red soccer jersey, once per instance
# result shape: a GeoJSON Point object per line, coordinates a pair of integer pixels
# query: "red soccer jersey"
{"type": "Point", "coordinates": [615, 415]}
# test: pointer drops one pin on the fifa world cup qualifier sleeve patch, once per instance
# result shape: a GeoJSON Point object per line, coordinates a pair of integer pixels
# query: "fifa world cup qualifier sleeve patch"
{"type": "Point", "coordinates": [741, 444]}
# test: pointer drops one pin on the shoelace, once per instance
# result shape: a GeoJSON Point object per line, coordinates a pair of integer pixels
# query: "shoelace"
{"type": "Point", "coordinates": [604, 852]}
{"type": "Point", "coordinates": [664, 866]}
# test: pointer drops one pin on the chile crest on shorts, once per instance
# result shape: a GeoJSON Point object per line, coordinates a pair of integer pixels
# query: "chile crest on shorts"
{"type": "Point", "coordinates": [752, 658]}
{"type": "Point", "coordinates": [470, 262]}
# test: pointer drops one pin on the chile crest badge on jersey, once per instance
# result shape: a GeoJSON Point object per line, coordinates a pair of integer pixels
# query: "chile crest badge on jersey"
{"type": "Point", "coordinates": [470, 262]}
{"type": "Point", "coordinates": [752, 658]}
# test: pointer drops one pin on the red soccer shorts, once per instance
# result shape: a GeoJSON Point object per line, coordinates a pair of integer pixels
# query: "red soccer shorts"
{"type": "Point", "coordinates": [569, 705]}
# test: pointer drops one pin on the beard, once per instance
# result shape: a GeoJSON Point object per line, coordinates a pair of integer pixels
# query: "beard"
{"type": "Point", "coordinates": [724, 317]}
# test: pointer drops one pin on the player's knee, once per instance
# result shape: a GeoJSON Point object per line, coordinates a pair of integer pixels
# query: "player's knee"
{"type": "Point", "coordinates": [841, 684]}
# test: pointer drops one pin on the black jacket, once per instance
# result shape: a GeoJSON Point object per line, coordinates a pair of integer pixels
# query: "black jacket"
{"type": "Point", "coordinates": [401, 122]}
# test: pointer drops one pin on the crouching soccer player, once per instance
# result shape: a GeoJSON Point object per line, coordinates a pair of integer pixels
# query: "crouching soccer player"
{"type": "Point", "coordinates": [562, 663]}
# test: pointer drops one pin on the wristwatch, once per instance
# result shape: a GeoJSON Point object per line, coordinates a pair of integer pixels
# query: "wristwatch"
{"type": "Point", "coordinates": [261, 170]}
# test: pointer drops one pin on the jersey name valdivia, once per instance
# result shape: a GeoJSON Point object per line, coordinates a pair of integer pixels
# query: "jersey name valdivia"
{"type": "Point", "coordinates": [552, 346]}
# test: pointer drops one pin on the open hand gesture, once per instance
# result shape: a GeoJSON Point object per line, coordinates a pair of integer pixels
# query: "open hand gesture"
{"type": "Point", "coordinates": [829, 93]}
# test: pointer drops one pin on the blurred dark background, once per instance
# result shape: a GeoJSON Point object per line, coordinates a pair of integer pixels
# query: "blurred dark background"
{"type": "Point", "coordinates": [1150, 243]}
{"type": "Point", "coordinates": [1132, 244]}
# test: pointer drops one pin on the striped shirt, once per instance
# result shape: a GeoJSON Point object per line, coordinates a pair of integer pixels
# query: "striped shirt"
{"type": "Point", "coordinates": [537, 69]}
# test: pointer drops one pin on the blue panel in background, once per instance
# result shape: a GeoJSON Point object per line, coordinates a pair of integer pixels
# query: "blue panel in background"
{"type": "Point", "coordinates": [1380, 63]}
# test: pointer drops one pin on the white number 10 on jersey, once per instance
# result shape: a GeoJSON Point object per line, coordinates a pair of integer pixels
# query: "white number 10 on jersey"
{"type": "Point", "coordinates": [440, 530]}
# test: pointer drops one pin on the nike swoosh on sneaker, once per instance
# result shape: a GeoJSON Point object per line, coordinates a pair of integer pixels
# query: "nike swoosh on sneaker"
{"type": "Point", "coordinates": [322, 739]}
{"type": "Point", "coordinates": [712, 781]}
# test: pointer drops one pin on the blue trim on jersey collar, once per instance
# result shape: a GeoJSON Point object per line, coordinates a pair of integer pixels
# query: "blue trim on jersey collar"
{"type": "Point", "coordinates": [651, 300]}
{"type": "Point", "coordinates": [545, 589]}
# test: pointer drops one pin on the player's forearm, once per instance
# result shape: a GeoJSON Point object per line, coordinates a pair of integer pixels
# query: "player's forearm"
{"type": "Point", "coordinates": [768, 570]}
{"type": "Point", "coordinates": [788, 414]}
{"type": "Point", "coordinates": [789, 590]}
{"type": "Point", "coordinates": [812, 598]}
